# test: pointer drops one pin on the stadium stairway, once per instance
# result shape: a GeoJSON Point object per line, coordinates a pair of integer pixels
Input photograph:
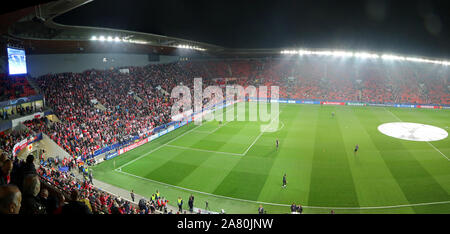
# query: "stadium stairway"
{"type": "Point", "coordinates": [100, 106]}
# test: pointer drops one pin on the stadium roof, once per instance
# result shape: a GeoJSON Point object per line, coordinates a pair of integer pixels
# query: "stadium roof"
{"type": "Point", "coordinates": [37, 28]}
{"type": "Point", "coordinates": [34, 26]}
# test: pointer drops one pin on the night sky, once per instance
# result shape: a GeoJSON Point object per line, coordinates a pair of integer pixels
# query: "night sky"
{"type": "Point", "coordinates": [415, 27]}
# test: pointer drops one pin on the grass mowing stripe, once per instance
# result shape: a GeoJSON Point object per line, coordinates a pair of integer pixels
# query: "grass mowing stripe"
{"type": "Point", "coordinates": [173, 171]}
{"type": "Point", "coordinates": [226, 140]}
{"type": "Point", "coordinates": [202, 150]}
{"type": "Point", "coordinates": [272, 189]}
{"type": "Point", "coordinates": [244, 180]}
{"type": "Point", "coordinates": [417, 184]}
{"type": "Point", "coordinates": [429, 157]}
{"type": "Point", "coordinates": [139, 151]}
{"type": "Point", "coordinates": [373, 180]}
{"type": "Point", "coordinates": [330, 164]}
{"type": "Point", "coordinates": [210, 173]}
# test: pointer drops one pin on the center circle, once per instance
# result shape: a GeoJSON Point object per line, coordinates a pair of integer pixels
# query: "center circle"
{"type": "Point", "coordinates": [413, 131]}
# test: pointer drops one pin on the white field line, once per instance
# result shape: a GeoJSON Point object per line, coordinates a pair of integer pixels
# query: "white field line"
{"type": "Point", "coordinates": [219, 126]}
{"type": "Point", "coordinates": [438, 150]}
{"type": "Point", "coordinates": [200, 131]}
{"type": "Point", "coordinates": [286, 205]}
{"type": "Point", "coordinates": [211, 151]}
{"type": "Point", "coordinates": [256, 139]}
{"type": "Point", "coordinates": [202, 150]}
{"type": "Point", "coordinates": [232, 108]}
{"type": "Point", "coordinates": [282, 126]}
{"type": "Point", "coordinates": [425, 141]}
{"type": "Point", "coordinates": [210, 132]}
{"type": "Point", "coordinates": [155, 149]}
{"type": "Point", "coordinates": [260, 134]}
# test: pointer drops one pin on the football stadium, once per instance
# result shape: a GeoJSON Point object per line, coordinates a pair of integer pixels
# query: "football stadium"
{"type": "Point", "coordinates": [120, 120]}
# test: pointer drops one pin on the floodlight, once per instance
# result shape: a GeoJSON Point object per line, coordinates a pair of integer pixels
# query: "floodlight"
{"type": "Point", "coordinates": [365, 55]}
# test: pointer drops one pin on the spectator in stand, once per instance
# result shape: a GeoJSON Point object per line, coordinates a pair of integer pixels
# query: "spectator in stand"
{"type": "Point", "coordinates": [75, 207]}
{"type": "Point", "coordinates": [29, 167]}
{"type": "Point", "coordinates": [31, 203]}
{"type": "Point", "coordinates": [10, 199]}
{"type": "Point", "coordinates": [56, 203]}
{"type": "Point", "coordinates": [3, 158]}
{"type": "Point", "coordinates": [15, 173]}
{"type": "Point", "coordinates": [142, 204]}
{"type": "Point", "coordinates": [5, 177]}
{"type": "Point", "coordinates": [115, 208]}
{"type": "Point", "coordinates": [43, 199]}
{"type": "Point", "coordinates": [23, 169]}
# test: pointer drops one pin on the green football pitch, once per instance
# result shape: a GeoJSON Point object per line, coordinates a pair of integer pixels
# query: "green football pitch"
{"type": "Point", "coordinates": [236, 167]}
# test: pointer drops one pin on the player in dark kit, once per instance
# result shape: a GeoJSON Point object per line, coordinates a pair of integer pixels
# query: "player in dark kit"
{"type": "Point", "coordinates": [356, 148]}
{"type": "Point", "coordinates": [277, 144]}
{"type": "Point", "coordinates": [284, 181]}
{"type": "Point", "coordinates": [332, 114]}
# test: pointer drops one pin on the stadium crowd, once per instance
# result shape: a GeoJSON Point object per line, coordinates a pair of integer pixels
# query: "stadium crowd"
{"type": "Point", "coordinates": [25, 189]}
{"type": "Point", "coordinates": [100, 108]}
{"type": "Point", "coordinates": [14, 87]}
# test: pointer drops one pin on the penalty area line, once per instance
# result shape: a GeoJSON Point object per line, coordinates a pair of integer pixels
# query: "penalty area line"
{"type": "Point", "coordinates": [260, 134]}
{"type": "Point", "coordinates": [155, 149]}
{"type": "Point", "coordinates": [203, 150]}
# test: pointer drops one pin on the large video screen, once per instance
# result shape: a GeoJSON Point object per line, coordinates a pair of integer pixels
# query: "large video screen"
{"type": "Point", "coordinates": [16, 61]}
